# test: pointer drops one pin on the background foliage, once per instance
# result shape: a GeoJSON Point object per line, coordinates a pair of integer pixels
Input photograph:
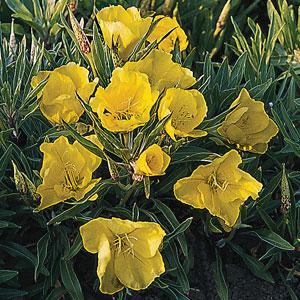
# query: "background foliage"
{"type": "Point", "coordinates": [233, 44]}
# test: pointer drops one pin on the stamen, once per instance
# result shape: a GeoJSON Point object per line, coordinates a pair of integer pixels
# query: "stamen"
{"type": "Point", "coordinates": [122, 244]}
{"type": "Point", "coordinates": [215, 184]}
{"type": "Point", "coordinates": [71, 177]}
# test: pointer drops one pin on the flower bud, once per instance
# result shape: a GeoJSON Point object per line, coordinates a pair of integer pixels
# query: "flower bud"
{"type": "Point", "coordinates": [81, 37]}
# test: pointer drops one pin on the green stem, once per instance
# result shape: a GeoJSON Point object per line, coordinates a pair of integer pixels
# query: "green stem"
{"type": "Point", "coordinates": [128, 194]}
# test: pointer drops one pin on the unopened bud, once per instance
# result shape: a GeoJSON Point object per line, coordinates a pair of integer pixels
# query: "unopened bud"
{"type": "Point", "coordinates": [117, 61]}
{"type": "Point", "coordinates": [19, 180]}
{"type": "Point", "coordinates": [285, 192]}
{"type": "Point", "coordinates": [223, 17]}
{"type": "Point", "coordinates": [12, 40]}
{"type": "Point", "coordinates": [33, 48]}
{"type": "Point", "coordinates": [80, 35]}
{"type": "Point", "coordinates": [73, 5]}
{"type": "Point", "coordinates": [112, 167]}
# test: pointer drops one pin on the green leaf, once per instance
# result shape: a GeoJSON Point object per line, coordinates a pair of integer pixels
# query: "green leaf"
{"type": "Point", "coordinates": [20, 9]}
{"type": "Point", "coordinates": [56, 294]}
{"type": "Point", "coordinates": [273, 239]}
{"type": "Point", "coordinates": [254, 265]}
{"type": "Point", "coordinates": [221, 285]}
{"type": "Point", "coordinates": [42, 247]}
{"type": "Point", "coordinates": [170, 217]}
{"type": "Point", "coordinates": [70, 280]}
{"type": "Point", "coordinates": [5, 158]}
{"type": "Point", "coordinates": [147, 186]}
{"type": "Point", "coordinates": [189, 154]}
{"type": "Point", "coordinates": [69, 213]}
{"type": "Point", "coordinates": [266, 218]}
{"type": "Point", "coordinates": [75, 248]}
{"type": "Point", "coordinates": [181, 228]}
{"type": "Point", "coordinates": [11, 294]}
{"type": "Point", "coordinates": [6, 224]}
{"type": "Point", "coordinates": [6, 275]}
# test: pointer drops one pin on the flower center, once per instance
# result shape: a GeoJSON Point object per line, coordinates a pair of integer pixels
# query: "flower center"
{"type": "Point", "coordinates": [123, 115]}
{"type": "Point", "coordinates": [182, 116]}
{"type": "Point", "coordinates": [215, 184]}
{"type": "Point", "coordinates": [71, 177]}
{"type": "Point", "coordinates": [122, 244]}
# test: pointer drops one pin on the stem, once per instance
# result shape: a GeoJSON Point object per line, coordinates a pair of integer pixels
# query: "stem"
{"type": "Point", "coordinates": [128, 194]}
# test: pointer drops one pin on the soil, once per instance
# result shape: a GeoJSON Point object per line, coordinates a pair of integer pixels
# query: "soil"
{"type": "Point", "coordinates": [242, 284]}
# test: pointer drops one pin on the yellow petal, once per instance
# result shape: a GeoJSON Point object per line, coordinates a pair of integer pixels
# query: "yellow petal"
{"type": "Point", "coordinates": [137, 272]}
{"type": "Point", "coordinates": [162, 28]}
{"type": "Point", "coordinates": [109, 282]}
{"type": "Point", "coordinates": [48, 196]}
{"type": "Point", "coordinates": [126, 103]}
{"type": "Point", "coordinates": [188, 109]}
{"type": "Point", "coordinates": [147, 239]}
{"type": "Point", "coordinates": [162, 72]}
{"type": "Point", "coordinates": [227, 211]}
{"type": "Point", "coordinates": [186, 190]}
{"type": "Point", "coordinates": [78, 75]}
{"type": "Point", "coordinates": [92, 233]}
{"type": "Point", "coordinates": [152, 162]}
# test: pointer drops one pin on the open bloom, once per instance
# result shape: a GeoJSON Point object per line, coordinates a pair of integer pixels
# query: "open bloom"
{"type": "Point", "coordinates": [220, 187]}
{"type": "Point", "coordinates": [152, 162]}
{"type": "Point", "coordinates": [187, 108]}
{"type": "Point", "coordinates": [128, 252]}
{"type": "Point", "coordinates": [162, 72]}
{"type": "Point", "coordinates": [163, 27]}
{"type": "Point", "coordinates": [58, 97]}
{"type": "Point", "coordinates": [122, 28]}
{"type": "Point", "coordinates": [126, 103]}
{"type": "Point", "coordinates": [66, 171]}
{"type": "Point", "coordinates": [248, 126]}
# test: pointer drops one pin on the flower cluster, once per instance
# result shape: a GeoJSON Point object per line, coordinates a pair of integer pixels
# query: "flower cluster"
{"type": "Point", "coordinates": [151, 90]}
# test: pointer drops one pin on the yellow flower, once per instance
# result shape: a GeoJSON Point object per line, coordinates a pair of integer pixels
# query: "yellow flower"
{"type": "Point", "coordinates": [187, 108]}
{"type": "Point", "coordinates": [66, 171]}
{"type": "Point", "coordinates": [163, 27]}
{"type": "Point", "coordinates": [248, 126]}
{"type": "Point", "coordinates": [220, 187]}
{"type": "Point", "coordinates": [58, 97]}
{"type": "Point", "coordinates": [126, 103]}
{"type": "Point", "coordinates": [162, 72]}
{"type": "Point", "coordinates": [128, 252]}
{"type": "Point", "coordinates": [152, 162]}
{"type": "Point", "coordinates": [123, 28]}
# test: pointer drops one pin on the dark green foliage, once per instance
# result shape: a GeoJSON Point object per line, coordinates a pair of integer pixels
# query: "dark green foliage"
{"type": "Point", "coordinates": [41, 253]}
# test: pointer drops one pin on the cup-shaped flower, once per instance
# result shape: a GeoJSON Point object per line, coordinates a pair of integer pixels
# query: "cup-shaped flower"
{"type": "Point", "coordinates": [162, 72]}
{"type": "Point", "coordinates": [122, 28]}
{"type": "Point", "coordinates": [187, 108]}
{"type": "Point", "coordinates": [66, 171]}
{"type": "Point", "coordinates": [248, 126]}
{"type": "Point", "coordinates": [170, 26]}
{"type": "Point", "coordinates": [128, 252]}
{"type": "Point", "coordinates": [220, 187]}
{"type": "Point", "coordinates": [58, 100]}
{"type": "Point", "coordinates": [152, 162]}
{"type": "Point", "coordinates": [126, 103]}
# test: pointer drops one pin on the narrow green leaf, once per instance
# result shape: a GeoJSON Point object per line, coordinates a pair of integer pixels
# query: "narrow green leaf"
{"type": "Point", "coordinates": [6, 275]}
{"type": "Point", "coordinates": [75, 248]}
{"type": "Point", "coordinates": [181, 228]}
{"type": "Point", "coordinates": [5, 158]}
{"type": "Point", "coordinates": [70, 280]}
{"type": "Point", "coordinates": [221, 285]}
{"type": "Point", "coordinates": [273, 239]}
{"type": "Point", "coordinates": [42, 247]}
{"type": "Point", "coordinates": [147, 186]}
{"type": "Point", "coordinates": [254, 265]}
